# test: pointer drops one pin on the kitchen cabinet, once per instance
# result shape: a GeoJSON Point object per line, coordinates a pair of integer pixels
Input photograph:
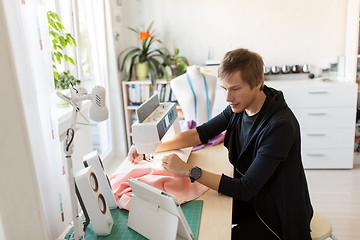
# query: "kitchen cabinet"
{"type": "Point", "coordinates": [326, 112]}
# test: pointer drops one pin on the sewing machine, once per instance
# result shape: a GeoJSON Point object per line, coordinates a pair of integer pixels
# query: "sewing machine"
{"type": "Point", "coordinates": [154, 120]}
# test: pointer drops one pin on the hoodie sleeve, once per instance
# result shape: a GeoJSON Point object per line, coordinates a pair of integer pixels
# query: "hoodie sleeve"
{"type": "Point", "coordinates": [214, 126]}
{"type": "Point", "coordinates": [273, 149]}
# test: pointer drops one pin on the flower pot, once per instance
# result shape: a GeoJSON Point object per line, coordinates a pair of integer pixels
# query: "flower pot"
{"type": "Point", "coordinates": [174, 70]}
{"type": "Point", "coordinates": [142, 71]}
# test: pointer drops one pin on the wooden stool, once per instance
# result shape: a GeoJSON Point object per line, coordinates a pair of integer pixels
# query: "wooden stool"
{"type": "Point", "coordinates": [321, 228]}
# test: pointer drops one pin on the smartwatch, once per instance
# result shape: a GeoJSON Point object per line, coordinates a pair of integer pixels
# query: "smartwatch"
{"type": "Point", "coordinates": [195, 173]}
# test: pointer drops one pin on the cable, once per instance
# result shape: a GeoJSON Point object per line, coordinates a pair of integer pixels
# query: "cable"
{"type": "Point", "coordinates": [70, 132]}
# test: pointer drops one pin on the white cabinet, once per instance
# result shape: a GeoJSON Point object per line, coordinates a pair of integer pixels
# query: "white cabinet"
{"type": "Point", "coordinates": [326, 112]}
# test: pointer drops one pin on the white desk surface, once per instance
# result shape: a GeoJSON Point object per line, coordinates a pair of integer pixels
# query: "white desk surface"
{"type": "Point", "coordinates": [217, 208]}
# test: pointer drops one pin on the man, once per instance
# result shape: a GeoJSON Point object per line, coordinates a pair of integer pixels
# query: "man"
{"type": "Point", "coordinates": [269, 188]}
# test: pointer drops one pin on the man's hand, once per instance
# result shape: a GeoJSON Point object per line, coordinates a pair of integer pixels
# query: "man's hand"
{"type": "Point", "coordinates": [175, 164]}
{"type": "Point", "coordinates": [134, 156]}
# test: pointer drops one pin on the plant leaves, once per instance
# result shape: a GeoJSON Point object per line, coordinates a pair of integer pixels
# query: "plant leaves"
{"type": "Point", "coordinates": [164, 72]}
{"type": "Point", "coordinates": [184, 59]}
{"type": "Point", "coordinates": [134, 30]}
{"type": "Point", "coordinates": [129, 62]}
{"type": "Point", "coordinates": [62, 41]}
{"type": "Point", "coordinates": [71, 60]}
{"type": "Point", "coordinates": [176, 51]}
{"type": "Point", "coordinates": [152, 75]}
{"type": "Point", "coordinates": [153, 63]}
{"type": "Point", "coordinates": [128, 57]}
{"type": "Point", "coordinates": [149, 28]}
{"type": "Point", "coordinates": [60, 26]}
{"type": "Point", "coordinates": [181, 68]}
{"type": "Point", "coordinates": [56, 76]}
{"type": "Point", "coordinates": [58, 56]}
{"type": "Point", "coordinates": [52, 24]}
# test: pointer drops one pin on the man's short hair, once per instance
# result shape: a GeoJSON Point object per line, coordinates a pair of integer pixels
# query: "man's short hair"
{"type": "Point", "coordinates": [250, 65]}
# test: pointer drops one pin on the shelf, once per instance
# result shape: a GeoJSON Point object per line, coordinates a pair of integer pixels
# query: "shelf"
{"type": "Point", "coordinates": [146, 81]}
{"type": "Point", "coordinates": [132, 107]}
{"type": "Point", "coordinates": [135, 107]}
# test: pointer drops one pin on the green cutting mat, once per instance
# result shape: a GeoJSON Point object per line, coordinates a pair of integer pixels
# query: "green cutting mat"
{"type": "Point", "coordinates": [120, 231]}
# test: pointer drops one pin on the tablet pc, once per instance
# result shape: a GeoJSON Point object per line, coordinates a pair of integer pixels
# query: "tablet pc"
{"type": "Point", "coordinates": [156, 214]}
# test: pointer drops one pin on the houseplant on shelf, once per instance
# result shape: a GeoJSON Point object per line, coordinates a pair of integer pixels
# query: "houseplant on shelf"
{"type": "Point", "coordinates": [143, 57]}
{"type": "Point", "coordinates": [176, 63]}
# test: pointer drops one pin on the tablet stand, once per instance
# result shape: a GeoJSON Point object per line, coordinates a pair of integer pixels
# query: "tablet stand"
{"type": "Point", "coordinates": [156, 214]}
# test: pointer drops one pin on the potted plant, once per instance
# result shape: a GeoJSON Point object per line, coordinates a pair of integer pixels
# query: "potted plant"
{"type": "Point", "coordinates": [60, 41]}
{"type": "Point", "coordinates": [144, 57]}
{"type": "Point", "coordinates": [64, 80]}
{"type": "Point", "coordinates": [176, 63]}
{"type": "Point", "coordinates": [62, 84]}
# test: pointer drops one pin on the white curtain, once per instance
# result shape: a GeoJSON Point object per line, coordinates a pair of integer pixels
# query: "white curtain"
{"type": "Point", "coordinates": [29, 29]}
{"type": "Point", "coordinates": [36, 83]}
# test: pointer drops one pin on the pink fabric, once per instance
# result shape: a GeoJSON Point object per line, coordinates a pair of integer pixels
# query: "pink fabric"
{"type": "Point", "coordinates": [187, 125]}
{"type": "Point", "coordinates": [157, 176]}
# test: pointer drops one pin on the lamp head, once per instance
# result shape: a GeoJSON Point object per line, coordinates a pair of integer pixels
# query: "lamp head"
{"type": "Point", "coordinates": [98, 111]}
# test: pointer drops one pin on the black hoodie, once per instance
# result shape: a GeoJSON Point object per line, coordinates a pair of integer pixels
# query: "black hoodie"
{"type": "Point", "coordinates": [268, 168]}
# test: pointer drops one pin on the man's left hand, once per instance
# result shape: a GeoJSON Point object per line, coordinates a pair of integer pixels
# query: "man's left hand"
{"type": "Point", "coordinates": [176, 165]}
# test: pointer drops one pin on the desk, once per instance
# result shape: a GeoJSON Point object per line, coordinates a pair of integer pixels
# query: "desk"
{"type": "Point", "coordinates": [217, 208]}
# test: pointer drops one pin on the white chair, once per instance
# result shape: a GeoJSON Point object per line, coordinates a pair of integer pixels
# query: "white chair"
{"type": "Point", "coordinates": [321, 228]}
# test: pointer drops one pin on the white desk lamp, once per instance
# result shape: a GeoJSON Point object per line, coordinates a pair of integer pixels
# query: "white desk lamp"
{"type": "Point", "coordinates": [98, 112]}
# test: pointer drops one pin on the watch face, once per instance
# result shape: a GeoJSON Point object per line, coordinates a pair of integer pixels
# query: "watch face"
{"type": "Point", "coordinates": [195, 173]}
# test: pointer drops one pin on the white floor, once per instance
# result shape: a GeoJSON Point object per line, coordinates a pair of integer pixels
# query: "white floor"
{"type": "Point", "coordinates": [336, 195]}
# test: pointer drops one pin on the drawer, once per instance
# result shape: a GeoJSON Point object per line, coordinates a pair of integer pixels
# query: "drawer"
{"type": "Point", "coordinates": [328, 158]}
{"type": "Point", "coordinates": [327, 138]}
{"type": "Point", "coordinates": [321, 96]}
{"type": "Point", "coordinates": [326, 117]}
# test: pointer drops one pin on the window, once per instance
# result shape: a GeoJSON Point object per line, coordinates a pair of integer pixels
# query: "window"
{"type": "Point", "coordinates": [92, 56]}
{"type": "Point", "coordinates": [87, 21]}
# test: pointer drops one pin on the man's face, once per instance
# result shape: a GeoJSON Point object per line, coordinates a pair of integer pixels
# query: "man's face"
{"type": "Point", "coordinates": [238, 93]}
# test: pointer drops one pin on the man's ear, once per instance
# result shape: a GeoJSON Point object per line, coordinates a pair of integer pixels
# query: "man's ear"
{"type": "Point", "coordinates": [259, 84]}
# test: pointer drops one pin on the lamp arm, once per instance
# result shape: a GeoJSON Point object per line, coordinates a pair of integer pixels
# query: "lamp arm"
{"type": "Point", "coordinates": [85, 97]}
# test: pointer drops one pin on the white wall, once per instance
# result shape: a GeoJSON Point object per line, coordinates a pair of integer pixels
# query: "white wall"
{"type": "Point", "coordinates": [282, 31]}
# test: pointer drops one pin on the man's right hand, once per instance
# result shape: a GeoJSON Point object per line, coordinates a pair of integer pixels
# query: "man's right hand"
{"type": "Point", "coordinates": [134, 156]}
